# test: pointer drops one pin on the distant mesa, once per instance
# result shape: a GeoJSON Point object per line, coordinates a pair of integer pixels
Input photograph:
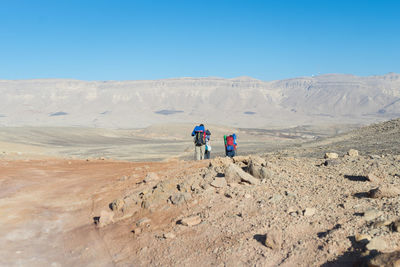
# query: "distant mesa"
{"type": "Point", "coordinates": [249, 112]}
{"type": "Point", "coordinates": [2, 116]}
{"type": "Point", "coordinates": [168, 111]}
{"type": "Point", "coordinates": [60, 113]}
{"type": "Point", "coordinates": [382, 111]}
{"type": "Point", "coordinates": [105, 112]}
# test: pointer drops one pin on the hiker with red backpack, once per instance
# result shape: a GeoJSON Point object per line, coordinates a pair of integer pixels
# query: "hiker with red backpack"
{"type": "Point", "coordinates": [207, 153]}
{"type": "Point", "coordinates": [230, 145]}
{"type": "Point", "coordinates": [199, 133]}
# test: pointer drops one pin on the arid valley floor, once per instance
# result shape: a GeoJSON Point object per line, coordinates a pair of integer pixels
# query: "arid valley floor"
{"type": "Point", "coordinates": [118, 198]}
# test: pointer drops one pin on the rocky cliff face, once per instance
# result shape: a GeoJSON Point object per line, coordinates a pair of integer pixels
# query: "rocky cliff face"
{"type": "Point", "coordinates": [242, 101]}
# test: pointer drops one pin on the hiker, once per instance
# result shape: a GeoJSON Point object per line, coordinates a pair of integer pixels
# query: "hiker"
{"type": "Point", "coordinates": [207, 153]}
{"type": "Point", "coordinates": [199, 133]}
{"type": "Point", "coordinates": [230, 145]}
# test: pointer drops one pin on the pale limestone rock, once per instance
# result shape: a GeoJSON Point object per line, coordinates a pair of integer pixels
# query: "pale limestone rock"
{"type": "Point", "coordinates": [191, 221]}
{"type": "Point", "coordinates": [352, 153]}
{"type": "Point", "coordinates": [330, 155]}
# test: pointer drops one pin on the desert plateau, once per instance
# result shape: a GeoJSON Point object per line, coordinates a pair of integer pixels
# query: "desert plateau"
{"type": "Point", "coordinates": [302, 196]}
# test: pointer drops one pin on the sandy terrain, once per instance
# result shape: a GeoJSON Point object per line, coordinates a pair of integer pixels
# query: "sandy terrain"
{"type": "Point", "coordinates": [286, 208]}
{"type": "Point", "coordinates": [155, 143]}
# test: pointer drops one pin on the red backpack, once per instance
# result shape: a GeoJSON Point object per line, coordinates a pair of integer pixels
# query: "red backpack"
{"type": "Point", "coordinates": [229, 140]}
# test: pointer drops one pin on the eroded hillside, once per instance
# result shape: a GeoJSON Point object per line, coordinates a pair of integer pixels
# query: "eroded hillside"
{"type": "Point", "coordinates": [239, 102]}
{"type": "Point", "coordinates": [277, 209]}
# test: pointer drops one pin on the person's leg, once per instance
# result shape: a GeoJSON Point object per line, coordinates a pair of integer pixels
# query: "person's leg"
{"type": "Point", "coordinates": [197, 152]}
{"type": "Point", "coordinates": [202, 148]}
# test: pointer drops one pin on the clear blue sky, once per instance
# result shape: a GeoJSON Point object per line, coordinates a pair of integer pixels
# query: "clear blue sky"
{"type": "Point", "coordinates": [131, 40]}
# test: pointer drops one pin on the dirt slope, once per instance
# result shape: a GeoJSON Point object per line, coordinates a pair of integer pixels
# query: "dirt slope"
{"type": "Point", "coordinates": [280, 209]}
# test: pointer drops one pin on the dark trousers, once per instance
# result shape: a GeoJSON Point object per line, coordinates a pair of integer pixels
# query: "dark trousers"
{"type": "Point", "coordinates": [207, 154]}
{"type": "Point", "coordinates": [231, 153]}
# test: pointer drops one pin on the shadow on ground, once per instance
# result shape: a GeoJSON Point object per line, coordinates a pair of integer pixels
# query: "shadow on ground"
{"type": "Point", "coordinates": [353, 257]}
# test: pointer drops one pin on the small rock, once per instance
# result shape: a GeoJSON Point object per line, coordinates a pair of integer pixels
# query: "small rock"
{"type": "Point", "coordinates": [377, 243]}
{"type": "Point", "coordinates": [150, 177]}
{"type": "Point", "coordinates": [381, 223]}
{"type": "Point", "coordinates": [105, 218]}
{"type": "Point", "coordinates": [179, 198]}
{"type": "Point", "coordinates": [275, 198]}
{"type": "Point", "coordinates": [331, 162]}
{"type": "Point", "coordinates": [374, 157]}
{"type": "Point", "coordinates": [191, 221]}
{"type": "Point", "coordinates": [372, 177]}
{"type": "Point", "coordinates": [384, 191]}
{"type": "Point", "coordinates": [330, 155]}
{"type": "Point", "coordinates": [137, 231]}
{"type": "Point", "coordinates": [291, 210]}
{"type": "Point", "coordinates": [219, 182]}
{"type": "Point", "coordinates": [117, 205]}
{"type": "Point", "coordinates": [362, 237]}
{"type": "Point", "coordinates": [352, 153]}
{"type": "Point", "coordinates": [290, 194]}
{"type": "Point", "coordinates": [372, 214]}
{"type": "Point", "coordinates": [273, 239]}
{"type": "Point", "coordinates": [143, 221]}
{"type": "Point", "coordinates": [123, 178]}
{"type": "Point", "coordinates": [386, 259]}
{"type": "Point", "coordinates": [169, 236]}
{"type": "Point", "coordinates": [395, 226]}
{"type": "Point", "coordinates": [247, 196]}
{"type": "Point", "coordinates": [309, 211]}
{"type": "Point", "coordinates": [146, 204]}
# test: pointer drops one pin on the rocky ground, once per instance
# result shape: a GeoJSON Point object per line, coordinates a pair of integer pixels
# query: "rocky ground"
{"type": "Point", "coordinates": [330, 203]}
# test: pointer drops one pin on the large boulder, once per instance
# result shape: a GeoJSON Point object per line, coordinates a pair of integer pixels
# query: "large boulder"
{"type": "Point", "coordinates": [219, 182]}
{"type": "Point", "coordinates": [257, 160]}
{"type": "Point", "coordinates": [221, 162]}
{"type": "Point", "coordinates": [377, 243]}
{"type": "Point", "coordinates": [386, 259]}
{"type": "Point", "coordinates": [241, 159]}
{"type": "Point", "coordinates": [256, 167]}
{"type": "Point", "coordinates": [235, 174]}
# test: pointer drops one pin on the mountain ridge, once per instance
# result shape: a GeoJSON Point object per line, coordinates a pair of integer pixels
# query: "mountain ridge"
{"type": "Point", "coordinates": [239, 102]}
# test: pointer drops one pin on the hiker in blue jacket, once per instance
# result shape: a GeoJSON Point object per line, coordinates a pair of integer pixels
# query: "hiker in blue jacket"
{"type": "Point", "coordinates": [199, 133]}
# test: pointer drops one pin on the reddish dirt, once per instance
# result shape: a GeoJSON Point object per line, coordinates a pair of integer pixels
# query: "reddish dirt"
{"type": "Point", "coordinates": [47, 210]}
